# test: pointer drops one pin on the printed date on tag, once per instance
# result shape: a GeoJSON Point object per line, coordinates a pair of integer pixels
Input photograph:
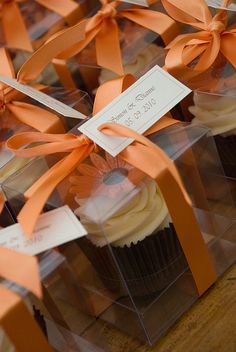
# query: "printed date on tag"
{"type": "Point", "coordinates": [43, 98]}
{"type": "Point", "coordinates": [53, 229]}
{"type": "Point", "coordinates": [138, 108]}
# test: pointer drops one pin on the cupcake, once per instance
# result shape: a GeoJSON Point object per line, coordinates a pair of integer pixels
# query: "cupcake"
{"type": "Point", "coordinates": [128, 223]}
{"type": "Point", "coordinates": [219, 114]}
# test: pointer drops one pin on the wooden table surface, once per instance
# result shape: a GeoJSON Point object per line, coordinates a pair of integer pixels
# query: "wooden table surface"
{"type": "Point", "coordinates": [210, 325]}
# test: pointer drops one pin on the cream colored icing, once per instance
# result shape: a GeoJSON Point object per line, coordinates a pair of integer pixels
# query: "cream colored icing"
{"type": "Point", "coordinates": [145, 213]}
{"type": "Point", "coordinates": [136, 65]}
{"type": "Point", "coordinates": [216, 112]}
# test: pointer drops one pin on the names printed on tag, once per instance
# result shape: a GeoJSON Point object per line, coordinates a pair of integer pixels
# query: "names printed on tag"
{"type": "Point", "coordinates": [138, 108]}
{"type": "Point", "coordinates": [43, 98]}
{"type": "Point", "coordinates": [53, 229]}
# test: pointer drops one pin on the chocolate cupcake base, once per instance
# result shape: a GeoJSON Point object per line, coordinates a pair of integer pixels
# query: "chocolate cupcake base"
{"type": "Point", "coordinates": [226, 147]}
{"type": "Point", "coordinates": [147, 267]}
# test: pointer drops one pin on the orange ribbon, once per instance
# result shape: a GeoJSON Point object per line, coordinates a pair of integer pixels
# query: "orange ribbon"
{"type": "Point", "coordinates": [104, 29]}
{"type": "Point", "coordinates": [15, 317]}
{"type": "Point", "coordinates": [14, 28]}
{"type": "Point", "coordinates": [29, 114]}
{"type": "Point", "coordinates": [191, 54]}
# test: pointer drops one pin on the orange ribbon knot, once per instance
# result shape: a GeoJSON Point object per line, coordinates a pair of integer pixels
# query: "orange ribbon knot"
{"type": "Point", "coordinates": [191, 54]}
{"type": "Point", "coordinates": [103, 27]}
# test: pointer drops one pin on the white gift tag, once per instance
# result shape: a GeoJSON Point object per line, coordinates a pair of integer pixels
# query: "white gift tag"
{"type": "Point", "coordinates": [138, 108]}
{"type": "Point", "coordinates": [53, 229]}
{"type": "Point", "coordinates": [43, 98]}
{"type": "Point", "coordinates": [137, 2]}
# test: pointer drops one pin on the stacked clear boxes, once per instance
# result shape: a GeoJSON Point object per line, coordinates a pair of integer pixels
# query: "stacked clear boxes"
{"type": "Point", "coordinates": [142, 287]}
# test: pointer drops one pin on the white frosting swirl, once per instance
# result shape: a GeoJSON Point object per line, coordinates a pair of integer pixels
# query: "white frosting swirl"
{"type": "Point", "coordinates": [216, 112]}
{"type": "Point", "coordinates": [145, 213]}
{"type": "Point", "coordinates": [136, 65]}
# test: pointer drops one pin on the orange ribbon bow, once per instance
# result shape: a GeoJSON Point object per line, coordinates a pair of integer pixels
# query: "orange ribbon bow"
{"type": "Point", "coordinates": [31, 115]}
{"type": "Point", "coordinates": [191, 54]}
{"type": "Point", "coordinates": [104, 29]}
{"type": "Point", "coordinates": [14, 29]}
{"type": "Point", "coordinates": [15, 317]}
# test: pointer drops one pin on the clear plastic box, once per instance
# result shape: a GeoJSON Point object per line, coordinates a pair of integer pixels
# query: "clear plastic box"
{"type": "Point", "coordinates": [221, 73]}
{"type": "Point", "coordinates": [42, 24]}
{"type": "Point", "coordinates": [10, 125]}
{"type": "Point", "coordinates": [52, 267]}
{"type": "Point", "coordinates": [141, 285]}
{"type": "Point", "coordinates": [216, 110]}
{"type": "Point", "coordinates": [139, 47]}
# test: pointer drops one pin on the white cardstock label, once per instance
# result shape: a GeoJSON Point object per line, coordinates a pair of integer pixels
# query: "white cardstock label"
{"type": "Point", "coordinates": [137, 2]}
{"type": "Point", "coordinates": [43, 98]}
{"type": "Point", "coordinates": [138, 108]}
{"type": "Point", "coordinates": [53, 229]}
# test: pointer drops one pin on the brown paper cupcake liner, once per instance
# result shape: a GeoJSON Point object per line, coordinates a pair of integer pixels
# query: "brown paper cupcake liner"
{"type": "Point", "coordinates": [226, 147]}
{"type": "Point", "coordinates": [147, 267]}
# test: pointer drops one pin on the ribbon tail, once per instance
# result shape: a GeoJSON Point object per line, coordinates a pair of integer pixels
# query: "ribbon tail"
{"type": "Point", "coordinates": [6, 65]}
{"type": "Point", "coordinates": [21, 269]}
{"type": "Point", "coordinates": [150, 159]}
{"type": "Point", "coordinates": [108, 47]}
{"type": "Point", "coordinates": [227, 43]}
{"type": "Point", "coordinates": [64, 73]}
{"type": "Point", "coordinates": [154, 21]}
{"type": "Point", "coordinates": [73, 50]}
{"type": "Point", "coordinates": [2, 202]}
{"type": "Point", "coordinates": [19, 325]}
{"type": "Point", "coordinates": [68, 9]}
{"type": "Point", "coordinates": [188, 231]}
{"type": "Point", "coordinates": [32, 68]}
{"type": "Point", "coordinates": [39, 193]}
{"type": "Point", "coordinates": [14, 28]}
{"type": "Point", "coordinates": [195, 13]}
{"type": "Point", "coordinates": [40, 119]}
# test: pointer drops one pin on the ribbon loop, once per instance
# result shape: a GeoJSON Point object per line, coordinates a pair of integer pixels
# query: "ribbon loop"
{"type": "Point", "coordinates": [103, 27]}
{"type": "Point", "coordinates": [191, 54]}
